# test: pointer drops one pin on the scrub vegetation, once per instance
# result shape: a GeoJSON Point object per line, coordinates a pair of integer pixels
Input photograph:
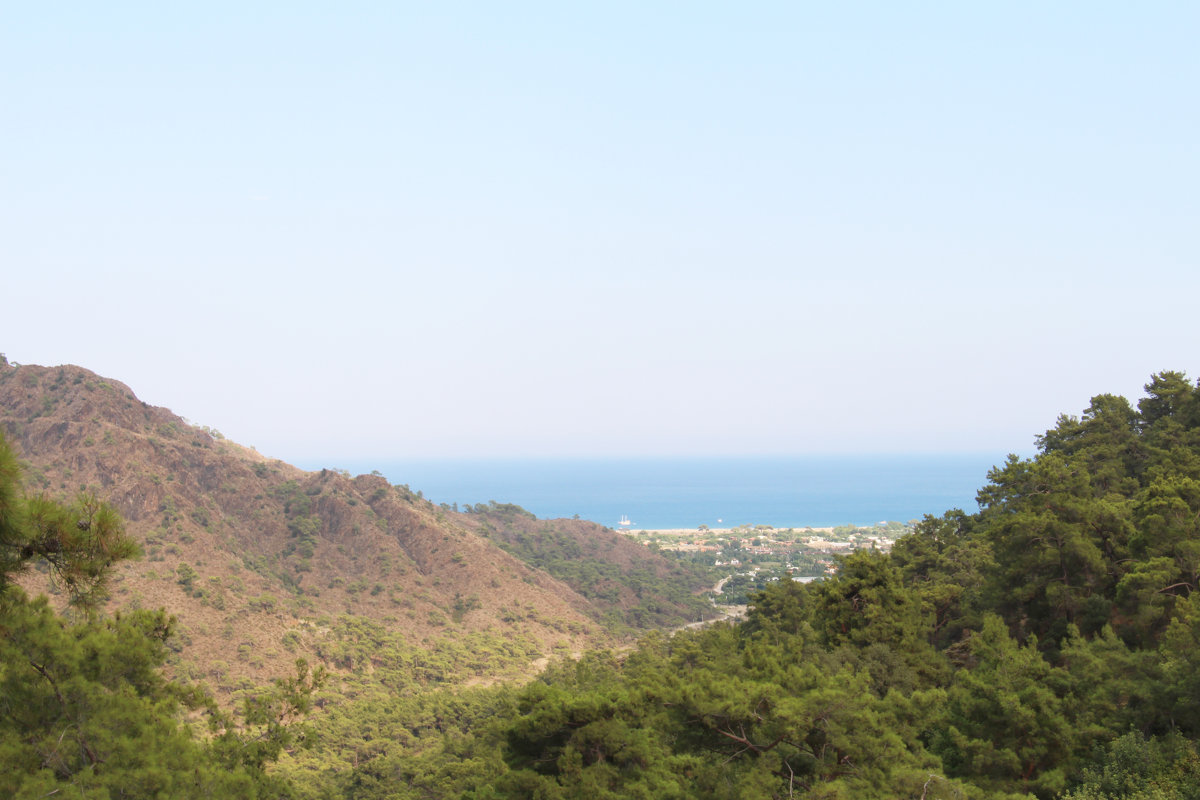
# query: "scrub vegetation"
{"type": "Point", "coordinates": [1045, 646]}
{"type": "Point", "coordinates": [630, 590]}
{"type": "Point", "coordinates": [85, 709]}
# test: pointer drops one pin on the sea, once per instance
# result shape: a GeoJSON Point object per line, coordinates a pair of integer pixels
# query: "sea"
{"type": "Point", "coordinates": [664, 493]}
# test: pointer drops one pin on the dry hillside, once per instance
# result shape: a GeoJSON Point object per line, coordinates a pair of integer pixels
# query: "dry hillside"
{"type": "Point", "coordinates": [260, 560]}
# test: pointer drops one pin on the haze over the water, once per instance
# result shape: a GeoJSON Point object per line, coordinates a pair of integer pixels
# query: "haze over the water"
{"type": "Point", "coordinates": [391, 230]}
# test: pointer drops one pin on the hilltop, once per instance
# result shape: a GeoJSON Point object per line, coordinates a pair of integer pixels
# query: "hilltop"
{"type": "Point", "coordinates": [261, 561]}
{"type": "Point", "coordinates": [1042, 647]}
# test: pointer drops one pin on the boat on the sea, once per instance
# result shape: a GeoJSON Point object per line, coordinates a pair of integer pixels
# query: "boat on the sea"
{"type": "Point", "coordinates": [624, 523]}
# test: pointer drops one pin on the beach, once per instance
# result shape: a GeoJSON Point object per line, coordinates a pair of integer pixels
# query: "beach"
{"type": "Point", "coordinates": [718, 531]}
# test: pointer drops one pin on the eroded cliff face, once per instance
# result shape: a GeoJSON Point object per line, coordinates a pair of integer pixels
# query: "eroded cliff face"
{"type": "Point", "coordinates": [256, 557]}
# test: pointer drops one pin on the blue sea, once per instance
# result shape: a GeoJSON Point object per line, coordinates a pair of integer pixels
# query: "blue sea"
{"type": "Point", "coordinates": [784, 492]}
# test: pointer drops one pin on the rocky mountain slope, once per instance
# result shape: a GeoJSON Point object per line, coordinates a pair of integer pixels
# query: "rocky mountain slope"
{"type": "Point", "coordinates": [263, 562]}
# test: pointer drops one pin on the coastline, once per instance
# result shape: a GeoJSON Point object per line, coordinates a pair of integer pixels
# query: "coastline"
{"type": "Point", "coordinates": [718, 531]}
{"type": "Point", "coordinates": [725, 492]}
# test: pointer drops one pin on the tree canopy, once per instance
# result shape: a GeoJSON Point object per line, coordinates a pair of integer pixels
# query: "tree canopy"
{"type": "Point", "coordinates": [1044, 646]}
{"type": "Point", "coordinates": [85, 710]}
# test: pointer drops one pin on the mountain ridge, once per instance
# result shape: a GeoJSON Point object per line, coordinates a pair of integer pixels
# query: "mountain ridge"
{"type": "Point", "coordinates": [253, 554]}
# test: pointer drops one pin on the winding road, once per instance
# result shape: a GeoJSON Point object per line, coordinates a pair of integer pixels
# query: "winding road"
{"type": "Point", "coordinates": [727, 612]}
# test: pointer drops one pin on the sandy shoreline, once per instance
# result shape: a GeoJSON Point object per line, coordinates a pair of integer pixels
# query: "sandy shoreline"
{"type": "Point", "coordinates": [717, 531]}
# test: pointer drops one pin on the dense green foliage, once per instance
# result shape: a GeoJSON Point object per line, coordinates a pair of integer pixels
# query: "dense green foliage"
{"type": "Point", "coordinates": [84, 708]}
{"type": "Point", "coordinates": [417, 742]}
{"type": "Point", "coordinates": [638, 594]}
{"type": "Point", "coordinates": [78, 542]}
{"type": "Point", "coordinates": [1045, 646]}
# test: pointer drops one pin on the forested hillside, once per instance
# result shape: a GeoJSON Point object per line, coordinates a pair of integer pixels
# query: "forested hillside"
{"type": "Point", "coordinates": [261, 562]}
{"type": "Point", "coordinates": [635, 588]}
{"type": "Point", "coordinates": [1044, 646]}
{"type": "Point", "coordinates": [84, 706]}
{"type": "Point", "coordinates": [258, 564]}
{"type": "Point", "coordinates": [1047, 646]}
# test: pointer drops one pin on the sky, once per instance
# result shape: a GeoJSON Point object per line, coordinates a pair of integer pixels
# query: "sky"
{"type": "Point", "coordinates": [464, 229]}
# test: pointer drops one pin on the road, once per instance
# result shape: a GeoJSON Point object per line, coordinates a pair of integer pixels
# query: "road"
{"type": "Point", "coordinates": [727, 612]}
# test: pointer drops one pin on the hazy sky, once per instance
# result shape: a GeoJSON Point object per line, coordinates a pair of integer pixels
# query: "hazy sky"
{"type": "Point", "coordinates": [337, 230]}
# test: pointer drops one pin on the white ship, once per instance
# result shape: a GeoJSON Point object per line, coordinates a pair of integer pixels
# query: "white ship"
{"type": "Point", "coordinates": [624, 523]}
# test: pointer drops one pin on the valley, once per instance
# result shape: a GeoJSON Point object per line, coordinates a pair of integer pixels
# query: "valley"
{"type": "Point", "coordinates": [218, 623]}
{"type": "Point", "coordinates": [262, 562]}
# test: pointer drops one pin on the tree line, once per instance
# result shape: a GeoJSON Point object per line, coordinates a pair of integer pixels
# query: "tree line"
{"type": "Point", "coordinates": [1044, 646]}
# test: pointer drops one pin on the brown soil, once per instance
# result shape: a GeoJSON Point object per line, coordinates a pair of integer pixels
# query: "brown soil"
{"type": "Point", "coordinates": [237, 518]}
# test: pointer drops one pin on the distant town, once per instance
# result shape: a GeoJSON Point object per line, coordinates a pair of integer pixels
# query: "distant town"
{"type": "Point", "coordinates": [756, 555]}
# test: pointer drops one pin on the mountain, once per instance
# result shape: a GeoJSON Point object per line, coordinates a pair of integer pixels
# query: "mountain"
{"type": "Point", "coordinates": [1043, 647]}
{"type": "Point", "coordinates": [607, 568]}
{"type": "Point", "coordinates": [263, 562]}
